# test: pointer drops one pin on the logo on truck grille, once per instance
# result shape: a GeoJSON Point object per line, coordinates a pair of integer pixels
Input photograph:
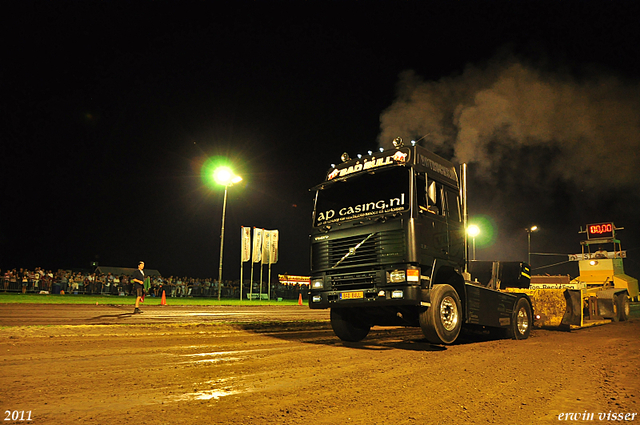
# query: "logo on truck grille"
{"type": "Point", "coordinates": [352, 250]}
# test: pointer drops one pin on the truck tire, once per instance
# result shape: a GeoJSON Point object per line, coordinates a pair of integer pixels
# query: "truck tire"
{"type": "Point", "coordinates": [347, 326]}
{"type": "Point", "coordinates": [442, 321]}
{"type": "Point", "coordinates": [522, 320]}
{"type": "Point", "coordinates": [623, 306]}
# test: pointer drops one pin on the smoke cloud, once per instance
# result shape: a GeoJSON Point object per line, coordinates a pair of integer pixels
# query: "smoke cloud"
{"type": "Point", "coordinates": [510, 118]}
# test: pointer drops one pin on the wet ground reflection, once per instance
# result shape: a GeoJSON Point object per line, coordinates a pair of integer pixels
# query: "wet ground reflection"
{"type": "Point", "coordinates": [209, 390]}
{"type": "Point", "coordinates": [221, 356]}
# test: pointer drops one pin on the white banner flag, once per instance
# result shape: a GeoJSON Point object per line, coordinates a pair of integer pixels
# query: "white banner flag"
{"type": "Point", "coordinates": [266, 246]}
{"type": "Point", "coordinates": [245, 234]}
{"type": "Point", "coordinates": [257, 245]}
{"type": "Point", "coordinates": [273, 258]}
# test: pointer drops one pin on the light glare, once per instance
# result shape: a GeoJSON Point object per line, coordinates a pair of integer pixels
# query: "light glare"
{"type": "Point", "coordinates": [473, 230]}
{"type": "Point", "coordinates": [224, 176]}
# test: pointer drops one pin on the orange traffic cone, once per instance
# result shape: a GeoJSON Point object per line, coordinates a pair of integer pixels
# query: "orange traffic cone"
{"type": "Point", "coordinates": [163, 301]}
{"type": "Point", "coordinates": [300, 299]}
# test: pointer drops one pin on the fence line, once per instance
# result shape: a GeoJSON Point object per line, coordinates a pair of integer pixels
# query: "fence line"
{"type": "Point", "coordinates": [171, 289]}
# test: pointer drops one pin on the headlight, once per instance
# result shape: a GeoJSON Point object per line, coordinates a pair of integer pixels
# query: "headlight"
{"type": "Point", "coordinates": [317, 284]}
{"type": "Point", "coordinates": [397, 294]}
{"type": "Point", "coordinates": [316, 298]}
{"type": "Point", "coordinates": [397, 276]}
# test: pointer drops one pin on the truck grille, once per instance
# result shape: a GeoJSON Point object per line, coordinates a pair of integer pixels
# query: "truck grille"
{"type": "Point", "coordinates": [354, 281]}
{"type": "Point", "coordinates": [381, 247]}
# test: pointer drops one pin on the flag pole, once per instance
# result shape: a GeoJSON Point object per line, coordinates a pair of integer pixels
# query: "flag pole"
{"type": "Point", "coordinates": [241, 257]}
{"type": "Point", "coordinates": [269, 281]}
{"type": "Point", "coordinates": [261, 264]}
{"type": "Point", "coordinates": [251, 283]}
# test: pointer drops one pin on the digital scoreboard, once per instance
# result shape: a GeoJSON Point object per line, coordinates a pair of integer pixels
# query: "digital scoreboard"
{"type": "Point", "coordinates": [600, 231]}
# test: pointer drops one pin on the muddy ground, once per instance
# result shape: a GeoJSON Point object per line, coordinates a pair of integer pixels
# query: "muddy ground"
{"type": "Point", "coordinates": [283, 365]}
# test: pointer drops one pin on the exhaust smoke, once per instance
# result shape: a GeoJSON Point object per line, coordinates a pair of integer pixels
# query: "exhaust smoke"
{"type": "Point", "coordinates": [584, 131]}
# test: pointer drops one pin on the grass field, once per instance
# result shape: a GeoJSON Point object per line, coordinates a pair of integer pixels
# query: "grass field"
{"type": "Point", "coordinates": [6, 298]}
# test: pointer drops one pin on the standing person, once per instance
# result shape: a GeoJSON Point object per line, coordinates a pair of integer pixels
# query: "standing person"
{"type": "Point", "coordinates": [7, 278]}
{"type": "Point", "coordinates": [25, 282]}
{"type": "Point", "coordinates": [88, 284]}
{"type": "Point", "coordinates": [13, 280]}
{"type": "Point", "coordinates": [126, 286]}
{"type": "Point", "coordinates": [138, 283]}
{"type": "Point", "coordinates": [115, 286]}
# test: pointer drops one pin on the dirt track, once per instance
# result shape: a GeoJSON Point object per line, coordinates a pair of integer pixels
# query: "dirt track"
{"type": "Point", "coordinates": [182, 366]}
{"type": "Point", "coordinates": [60, 314]}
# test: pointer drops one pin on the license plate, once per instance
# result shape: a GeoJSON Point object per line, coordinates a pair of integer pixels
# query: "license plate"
{"type": "Point", "coordinates": [351, 295]}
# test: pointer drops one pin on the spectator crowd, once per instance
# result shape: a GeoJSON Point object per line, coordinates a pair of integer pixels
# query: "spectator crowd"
{"type": "Point", "coordinates": [92, 283]}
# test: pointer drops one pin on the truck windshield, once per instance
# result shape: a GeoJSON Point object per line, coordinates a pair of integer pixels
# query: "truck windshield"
{"type": "Point", "coordinates": [367, 195]}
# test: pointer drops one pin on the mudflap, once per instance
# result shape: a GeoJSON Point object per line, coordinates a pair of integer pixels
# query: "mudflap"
{"type": "Point", "coordinates": [573, 314]}
{"type": "Point", "coordinates": [607, 307]}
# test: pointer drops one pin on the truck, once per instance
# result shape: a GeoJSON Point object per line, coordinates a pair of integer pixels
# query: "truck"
{"type": "Point", "coordinates": [389, 247]}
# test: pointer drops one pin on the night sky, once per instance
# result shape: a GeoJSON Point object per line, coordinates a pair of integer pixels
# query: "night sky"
{"type": "Point", "coordinates": [110, 109]}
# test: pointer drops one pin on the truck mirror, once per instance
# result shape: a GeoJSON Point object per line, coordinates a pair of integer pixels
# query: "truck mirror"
{"type": "Point", "coordinates": [431, 192]}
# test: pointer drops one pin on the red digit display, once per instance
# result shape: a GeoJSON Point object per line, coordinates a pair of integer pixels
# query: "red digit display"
{"type": "Point", "coordinates": [602, 230]}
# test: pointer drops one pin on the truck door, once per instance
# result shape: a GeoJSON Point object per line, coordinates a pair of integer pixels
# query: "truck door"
{"type": "Point", "coordinates": [432, 222]}
{"type": "Point", "coordinates": [454, 221]}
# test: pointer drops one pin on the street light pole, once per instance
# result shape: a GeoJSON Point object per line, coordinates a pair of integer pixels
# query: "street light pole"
{"type": "Point", "coordinates": [224, 177]}
{"type": "Point", "coordinates": [224, 213]}
{"type": "Point", "coordinates": [473, 241]}
{"type": "Point", "coordinates": [529, 230]}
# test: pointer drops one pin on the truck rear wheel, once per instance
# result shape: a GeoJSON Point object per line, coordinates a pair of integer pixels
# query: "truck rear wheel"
{"type": "Point", "coordinates": [442, 321]}
{"type": "Point", "coordinates": [522, 320]}
{"type": "Point", "coordinates": [347, 326]}
{"type": "Point", "coordinates": [623, 306]}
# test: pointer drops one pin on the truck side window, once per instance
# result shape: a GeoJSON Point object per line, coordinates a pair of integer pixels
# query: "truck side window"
{"type": "Point", "coordinates": [429, 198]}
{"type": "Point", "coordinates": [453, 205]}
{"type": "Point", "coordinates": [429, 195]}
{"type": "Point", "coordinates": [421, 185]}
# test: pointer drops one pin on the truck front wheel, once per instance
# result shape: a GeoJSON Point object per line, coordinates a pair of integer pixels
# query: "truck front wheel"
{"type": "Point", "coordinates": [442, 321]}
{"type": "Point", "coordinates": [347, 326]}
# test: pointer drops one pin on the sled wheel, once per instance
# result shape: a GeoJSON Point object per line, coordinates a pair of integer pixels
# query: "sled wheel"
{"type": "Point", "coordinates": [623, 306]}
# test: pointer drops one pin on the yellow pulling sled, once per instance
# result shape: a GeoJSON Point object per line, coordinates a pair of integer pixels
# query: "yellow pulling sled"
{"type": "Point", "coordinates": [601, 292]}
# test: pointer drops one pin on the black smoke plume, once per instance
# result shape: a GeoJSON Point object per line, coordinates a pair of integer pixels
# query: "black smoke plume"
{"type": "Point", "coordinates": [583, 130]}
